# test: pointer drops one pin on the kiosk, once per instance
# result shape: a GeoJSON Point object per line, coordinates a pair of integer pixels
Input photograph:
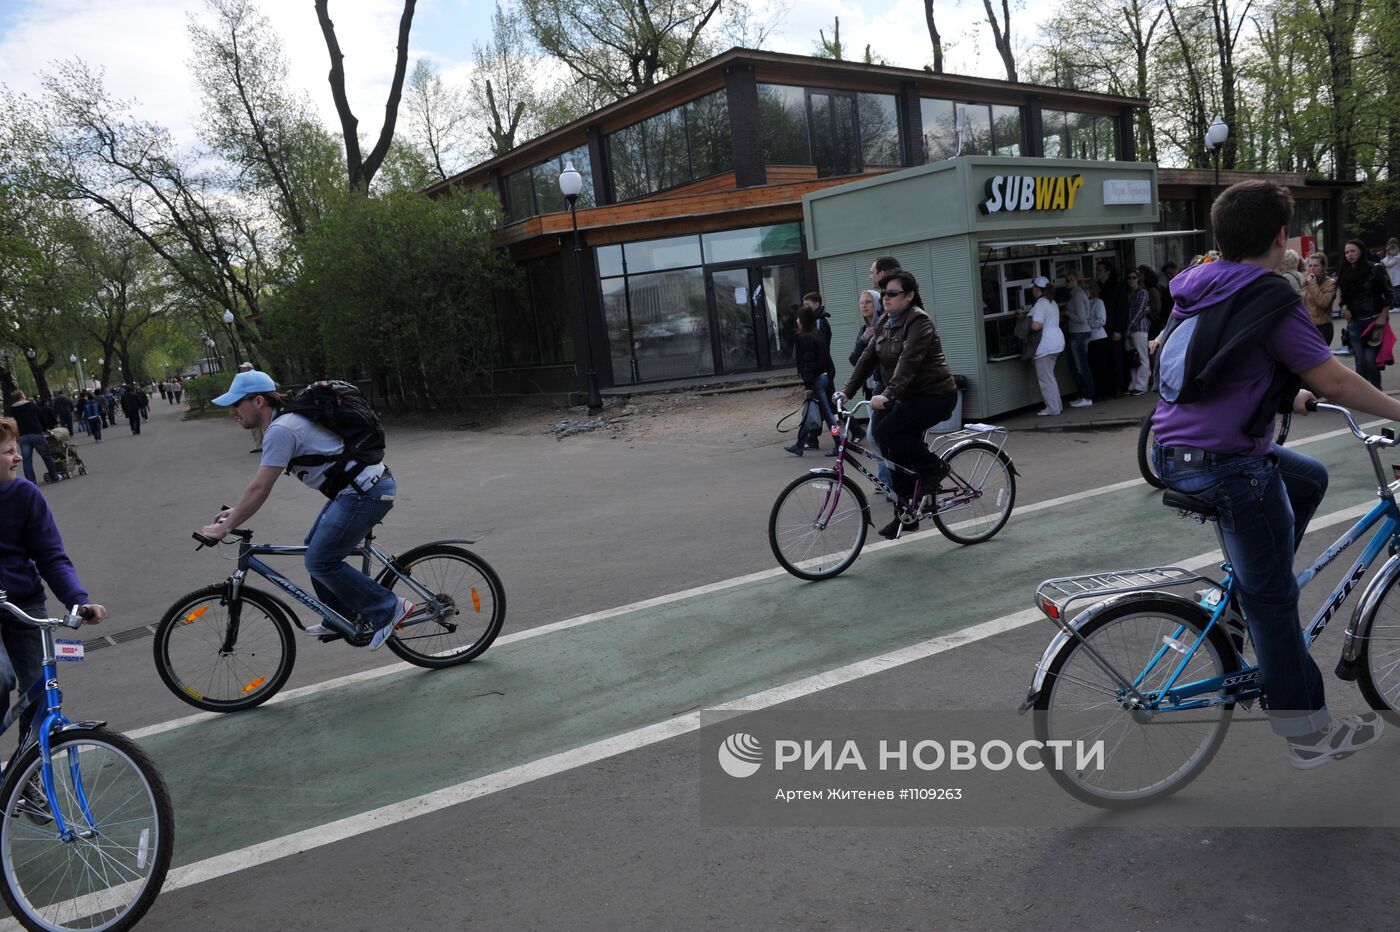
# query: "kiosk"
{"type": "Point", "coordinates": [975, 231]}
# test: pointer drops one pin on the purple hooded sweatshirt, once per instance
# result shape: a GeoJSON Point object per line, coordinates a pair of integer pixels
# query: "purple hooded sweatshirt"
{"type": "Point", "coordinates": [30, 546]}
{"type": "Point", "coordinates": [1217, 425]}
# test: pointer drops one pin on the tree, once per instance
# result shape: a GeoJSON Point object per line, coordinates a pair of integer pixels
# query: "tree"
{"type": "Point", "coordinates": [830, 48]}
{"type": "Point", "coordinates": [934, 37]}
{"type": "Point", "coordinates": [503, 86]}
{"type": "Point", "coordinates": [250, 118]}
{"type": "Point", "coordinates": [622, 47]}
{"type": "Point", "coordinates": [361, 168]}
{"type": "Point", "coordinates": [436, 118]}
{"type": "Point", "coordinates": [1001, 33]}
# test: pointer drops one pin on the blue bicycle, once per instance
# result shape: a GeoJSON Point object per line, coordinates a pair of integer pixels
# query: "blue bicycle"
{"type": "Point", "coordinates": [1156, 674]}
{"type": "Point", "coordinates": [86, 826]}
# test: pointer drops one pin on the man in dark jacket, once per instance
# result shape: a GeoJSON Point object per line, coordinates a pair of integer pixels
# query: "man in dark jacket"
{"type": "Point", "coordinates": [31, 434]}
{"type": "Point", "coordinates": [63, 410]}
{"type": "Point", "coordinates": [1115, 302]}
{"type": "Point", "coordinates": [817, 371]}
{"type": "Point", "coordinates": [131, 407]}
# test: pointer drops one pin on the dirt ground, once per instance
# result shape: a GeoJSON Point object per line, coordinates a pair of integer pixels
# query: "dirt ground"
{"type": "Point", "coordinates": [687, 415]}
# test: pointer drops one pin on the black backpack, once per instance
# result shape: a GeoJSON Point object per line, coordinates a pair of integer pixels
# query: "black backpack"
{"type": "Point", "coordinates": [340, 408]}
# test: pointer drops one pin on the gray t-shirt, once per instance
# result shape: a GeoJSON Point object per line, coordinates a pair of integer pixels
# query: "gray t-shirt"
{"type": "Point", "coordinates": [293, 435]}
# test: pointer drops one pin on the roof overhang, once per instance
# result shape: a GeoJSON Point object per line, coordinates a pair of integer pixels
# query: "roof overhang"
{"type": "Point", "coordinates": [1096, 237]}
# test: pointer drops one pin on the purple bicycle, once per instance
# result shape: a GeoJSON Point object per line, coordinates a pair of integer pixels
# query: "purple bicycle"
{"type": "Point", "coordinates": [819, 522]}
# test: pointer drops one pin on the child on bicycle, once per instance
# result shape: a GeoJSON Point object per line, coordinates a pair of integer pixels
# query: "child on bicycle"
{"type": "Point", "coordinates": [31, 554]}
{"type": "Point", "coordinates": [351, 513]}
{"type": "Point", "coordinates": [1235, 352]}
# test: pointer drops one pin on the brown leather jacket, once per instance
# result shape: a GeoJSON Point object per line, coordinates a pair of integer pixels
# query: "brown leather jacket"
{"type": "Point", "coordinates": [910, 355]}
{"type": "Point", "coordinates": [1318, 297]}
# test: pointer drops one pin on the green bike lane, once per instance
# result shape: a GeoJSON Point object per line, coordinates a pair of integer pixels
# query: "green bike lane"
{"type": "Point", "coordinates": [248, 778]}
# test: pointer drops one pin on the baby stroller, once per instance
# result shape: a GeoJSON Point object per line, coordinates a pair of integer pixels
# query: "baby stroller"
{"type": "Point", "coordinates": [65, 456]}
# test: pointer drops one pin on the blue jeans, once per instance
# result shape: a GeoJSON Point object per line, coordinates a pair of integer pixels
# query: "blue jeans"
{"type": "Point", "coordinates": [27, 445]}
{"type": "Point", "coordinates": [821, 391]}
{"type": "Point", "coordinates": [21, 662]}
{"type": "Point", "coordinates": [340, 528]}
{"type": "Point", "coordinates": [1365, 356]}
{"type": "Point", "coordinates": [1265, 505]}
{"type": "Point", "coordinates": [1079, 362]}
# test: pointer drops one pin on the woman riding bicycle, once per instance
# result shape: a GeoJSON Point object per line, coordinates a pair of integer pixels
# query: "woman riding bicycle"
{"type": "Point", "coordinates": [919, 392]}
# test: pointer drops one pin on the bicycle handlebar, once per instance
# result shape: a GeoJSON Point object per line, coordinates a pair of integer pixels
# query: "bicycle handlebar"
{"type": "Point", "coordinates": [74, 619]}
{"type": "Point", "coordinates": [1356, 431]}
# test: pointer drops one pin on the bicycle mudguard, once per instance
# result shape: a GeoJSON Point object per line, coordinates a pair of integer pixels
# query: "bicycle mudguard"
{"type": "Point", "coordinates": [1364, 616]}
{"type": "Point", "coordinates": [1071, 628]}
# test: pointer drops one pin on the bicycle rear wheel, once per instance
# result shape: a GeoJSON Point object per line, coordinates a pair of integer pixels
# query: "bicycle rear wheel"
{"type": "Point", "coordinates": [983, 493]}
{"type": "Point", "coordinates": [1379, 671]}
{"type": "Point", "coordinates": [190, 650]}
{"type": "Point", "coordinates": [818, 525]}
{"type": "Point", "coordinates": [1146, 755]}
{"type": "Point", "coordinates": [473, 605]}
{"type": "Point", "coordinates": [1144, 454]}
{"type": "Point", "coordinates": [114, 802]}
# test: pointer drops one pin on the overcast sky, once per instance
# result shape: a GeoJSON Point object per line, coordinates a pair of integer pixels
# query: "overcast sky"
{"type": "Point", "coordinates": [143, 45]}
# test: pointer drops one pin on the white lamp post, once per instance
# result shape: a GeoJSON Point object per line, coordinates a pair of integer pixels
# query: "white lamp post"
{"type": "Point", "coordinates": [1216, 134]}
{"type": "Point", "coordinates": [570, 184]}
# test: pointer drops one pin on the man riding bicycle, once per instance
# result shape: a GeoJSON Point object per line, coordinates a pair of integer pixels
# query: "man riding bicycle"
{"type": "Point", "coordinates": [360, 496]}
{"type": "Point", "coordinates": [1234, 353]}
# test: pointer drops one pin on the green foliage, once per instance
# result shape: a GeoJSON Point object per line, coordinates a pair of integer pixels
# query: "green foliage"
{"type": "Point", "coordinates": [201, 391]}
{"type": "Point", "coordinates": [396, 286]}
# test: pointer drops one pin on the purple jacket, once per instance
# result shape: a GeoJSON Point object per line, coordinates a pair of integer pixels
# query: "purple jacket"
{"type": "Point", "coordinates": [30, 547]}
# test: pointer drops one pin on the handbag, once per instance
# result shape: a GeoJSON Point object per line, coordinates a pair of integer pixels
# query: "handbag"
{"type": "Point", "coordinates": [1134, 357]}
{"type": "Point", "coordinates": [811, 415]}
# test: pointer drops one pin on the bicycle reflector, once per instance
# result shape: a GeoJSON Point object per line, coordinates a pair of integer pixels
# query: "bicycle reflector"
{"type": "Point", "coordinates": [1051, 610]}
{"type": "Point", "coordinates": [194, 615]}
{"type": "Point", "coordinates": [476, 600]}
{"type": "Point", "coordinates": [1395, 470]}
{"type": "Point", "coordinates": [255, 684]}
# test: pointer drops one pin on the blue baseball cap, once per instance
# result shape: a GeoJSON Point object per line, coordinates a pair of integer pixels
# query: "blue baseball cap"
{"type": "Point", "coordinates": [245, 384]}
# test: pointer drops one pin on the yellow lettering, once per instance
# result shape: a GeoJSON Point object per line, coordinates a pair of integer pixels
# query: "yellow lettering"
{"type": "Point", "coordinates": [1058, 201]}
{"type": "Point", "coordinates": [1043, 187]}
{"type": "Point", "coordinates": [1074, 184]}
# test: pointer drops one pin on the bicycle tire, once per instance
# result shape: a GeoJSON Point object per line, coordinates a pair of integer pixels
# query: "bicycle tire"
{"type": "Point", "coordinates": [1144, 447]}
{"type": "Point", "coordinates": [1378, 673]}
{"type": "Point", "coordinates": [991, 475]}
{"type": "Point", "coordinates": [1144, 455]}
{"type": "Point", "coordinates": [117, 870]}
{"type": "Point", "coordinates": [474, 585]}
{"type": "Point", "coordinates": [1077, 691]}
{"type": "Point", "coordinates": [189, 660]}
{"type": "Point", "coordinates": [794, 532]}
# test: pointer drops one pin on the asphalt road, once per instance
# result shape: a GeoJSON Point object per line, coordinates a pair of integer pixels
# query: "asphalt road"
{"type": "Point", "coordinates": [526, 790]}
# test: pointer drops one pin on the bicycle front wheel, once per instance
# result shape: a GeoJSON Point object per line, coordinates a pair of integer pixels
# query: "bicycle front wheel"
{"type": "Point", "coordinates": [224, 657]}
{"type": "Point", "coordinates": [117, 811]}
{"type": "Point", "coordinates": [472, 605]}
{"type": "Point", "coordinates": [983, 493]}
{"type": "Point", "coordinates": [1144, 454]}
{"type": "Point", "coordinates": [818, 525]}
{"type": "Point", "coordinates": [1379, 673]}
{"type": "Point", "coordinates": [1147, 754]}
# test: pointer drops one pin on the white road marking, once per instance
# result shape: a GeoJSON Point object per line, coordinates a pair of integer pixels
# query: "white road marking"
{"type": "Point", "coordinates": [395, 813]}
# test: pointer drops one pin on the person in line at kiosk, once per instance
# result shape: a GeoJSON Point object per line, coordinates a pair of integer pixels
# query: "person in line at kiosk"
{"type": "Point", "coordinates": [1115, 301]}
{"type": "Point", "coordinates": [1045, 318]}
{"type": "Point", "coordinates": [1100, 359]}
{"type": "Point", "coordinates": [919, 392]}
{"type": "Point", "coordinates": [1077, 333]}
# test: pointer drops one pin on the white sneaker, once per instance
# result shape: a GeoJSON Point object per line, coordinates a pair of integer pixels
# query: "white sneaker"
{"type": "Point", "coordinates": [1082, 403]}
{"type": "Point", "coordinates": [320, 630]}
{"type": "Point", "coordinates": [1046, 412]}
{"type": "Point", "coordinates": [380, 636]}
{"type": "Point", "coordinates": [1345, 736]}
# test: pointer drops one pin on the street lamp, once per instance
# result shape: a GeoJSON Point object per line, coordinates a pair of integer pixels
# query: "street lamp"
{"type": "Point", "coordinates": [570, 184]}
{"type": "Point", "coordinates": [78, 369]}
{"type": "Point", "coordinates": [1216, 134]}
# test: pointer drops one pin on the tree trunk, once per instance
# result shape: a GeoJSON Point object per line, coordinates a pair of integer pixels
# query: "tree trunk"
{"type": "Point", "coordinates": [934, 37]}
{"type": "Point", "coordinates": [1001, 32]}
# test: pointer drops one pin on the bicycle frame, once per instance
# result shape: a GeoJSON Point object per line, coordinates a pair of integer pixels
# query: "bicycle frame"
{"type": "Point", "coordinates": [1245, 684]}
{"type": "Point", "coordinates": [248, 554]}
{"type": "Point", "coordinates": [52, 721]}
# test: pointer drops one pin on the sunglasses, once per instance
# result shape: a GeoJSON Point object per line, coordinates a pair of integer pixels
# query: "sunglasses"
{"type": "Point", "coordinates": [893, 294]}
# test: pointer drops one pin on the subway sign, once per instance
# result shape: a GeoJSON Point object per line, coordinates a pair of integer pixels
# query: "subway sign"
{"type": "Point", "coordinates": [1007, 193]}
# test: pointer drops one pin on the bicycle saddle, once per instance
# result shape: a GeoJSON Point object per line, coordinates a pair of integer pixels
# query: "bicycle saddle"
{"type": "Point", "coordinates": [1183, 502]}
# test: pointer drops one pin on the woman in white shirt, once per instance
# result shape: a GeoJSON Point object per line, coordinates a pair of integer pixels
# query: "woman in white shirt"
{"type": "Point", "coordinates": [1045, 317]}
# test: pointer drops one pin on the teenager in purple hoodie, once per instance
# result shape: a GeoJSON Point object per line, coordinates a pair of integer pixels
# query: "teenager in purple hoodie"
{"type": "Point", "coordinates": [1234, 354]}
{"type": "Point", "coordinates": [30, 548]}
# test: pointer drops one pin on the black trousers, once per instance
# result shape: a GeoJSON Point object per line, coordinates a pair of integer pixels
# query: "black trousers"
{"type": "Point", "coordinates": [899, 431]}
{"type": "Point", "coordinates": [1101, 365]}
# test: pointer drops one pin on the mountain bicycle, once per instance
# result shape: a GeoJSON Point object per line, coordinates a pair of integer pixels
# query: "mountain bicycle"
{"type": "Point", "coordinates": [229, 647]}
{"type": "Point", "coordinates": [86, 826]}
{"type": "Point", "coordinates": [1146, 438]}
{"type": "Point", "coordinates": [1157, 674]}
{"type": "Point", "coordinates": [818, 524]}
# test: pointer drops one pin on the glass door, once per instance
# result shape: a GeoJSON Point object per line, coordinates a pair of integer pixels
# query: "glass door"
{"type": "Point", "coordinates": [733, 319]}
{"type": "Point", "coordinates": [777, 298]}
